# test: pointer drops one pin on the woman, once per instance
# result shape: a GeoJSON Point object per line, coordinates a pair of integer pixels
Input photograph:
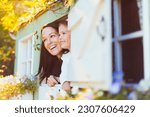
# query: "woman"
{"type": "Point", "coordinates": [65, 44]}
{"type": "Point", "coordinates": [50, 62]}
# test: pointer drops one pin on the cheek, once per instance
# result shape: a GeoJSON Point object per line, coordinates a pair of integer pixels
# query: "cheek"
{"type": "Point", "coordinates": [68, 38]}
{"type": "Point", "coordinates": [65, 38]}
{"type": "Point", "coordinates": [59, 46]}
{"type": "Point", "coordinates": [45, 45]}
{"type": "Point", "coordinates": [50, 51]}
{"type": "Point", "coordinates": [59, 49]}
{"type": "Point", "coordinates": [58, 41]}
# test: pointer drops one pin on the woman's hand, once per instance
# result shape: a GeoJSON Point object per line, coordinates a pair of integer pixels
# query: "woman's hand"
{"type": "Point", "coordinates": [52, 81]}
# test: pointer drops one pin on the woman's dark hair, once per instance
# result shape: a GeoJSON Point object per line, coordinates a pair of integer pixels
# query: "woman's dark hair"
{"type": "Point", "coordinates": [53, 25]}
{"type": "Point", "coordinates": [49, 64]}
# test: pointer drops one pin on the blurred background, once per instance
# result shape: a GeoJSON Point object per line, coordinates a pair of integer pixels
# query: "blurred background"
{"type": "Point", "coordinates": [12, 14]}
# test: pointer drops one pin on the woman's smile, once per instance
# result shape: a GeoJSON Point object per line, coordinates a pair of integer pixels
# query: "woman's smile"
{"type": "Point", "coordinates": [52, 47]}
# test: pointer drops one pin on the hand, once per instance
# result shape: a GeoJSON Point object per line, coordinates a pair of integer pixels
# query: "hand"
{"type": "Point", "coordinates": [52, 81]}
{"type": "Point", "coordinates": [66, 86]}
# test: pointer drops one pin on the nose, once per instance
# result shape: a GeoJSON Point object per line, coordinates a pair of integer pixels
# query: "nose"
{"type": "Point", "coordinates": [49, 40]}
{"type": "Point", "coordinates": [60, 37]}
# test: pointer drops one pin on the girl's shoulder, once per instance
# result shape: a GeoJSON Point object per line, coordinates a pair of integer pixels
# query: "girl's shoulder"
{"type": "Point", "coordinates": [66, 56]}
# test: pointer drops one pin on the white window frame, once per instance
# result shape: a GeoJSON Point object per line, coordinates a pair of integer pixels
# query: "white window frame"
{"type": "Point", "coordinates": [146, 38]}
{"type": "Point", "coordinates": [20, 70]}
{"type": "Point", "coordinates": [119, 37]}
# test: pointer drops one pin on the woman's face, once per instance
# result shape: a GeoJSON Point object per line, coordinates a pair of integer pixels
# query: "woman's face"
{"type": "Point", "coordinates": [50, 37]}
{"type": "Point", "coordinates": [64, 36]}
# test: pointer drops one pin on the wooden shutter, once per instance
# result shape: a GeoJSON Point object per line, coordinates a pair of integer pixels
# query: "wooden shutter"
{"type": "Point", "coordinates": [91, 41]}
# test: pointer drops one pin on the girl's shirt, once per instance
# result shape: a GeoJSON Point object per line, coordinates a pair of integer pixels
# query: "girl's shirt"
{"type": "Point", "coordinates": [65, 68]}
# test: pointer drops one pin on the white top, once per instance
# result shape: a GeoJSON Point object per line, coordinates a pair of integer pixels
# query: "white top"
{"type": "Point", "coordinates": [64, 68]}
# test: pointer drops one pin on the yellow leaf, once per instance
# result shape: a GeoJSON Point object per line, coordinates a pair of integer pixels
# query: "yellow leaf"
{"type": "Point", "coordinates": [70, 2]}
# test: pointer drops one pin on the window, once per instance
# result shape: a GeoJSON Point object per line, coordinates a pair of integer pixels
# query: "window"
{"type": "Point", "coordinates": [128, 39]}
{"type": "Point", "coordinates": [25, 56]}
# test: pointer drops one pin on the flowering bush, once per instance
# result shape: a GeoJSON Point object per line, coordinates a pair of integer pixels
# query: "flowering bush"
{"type": "Point", "coordinates": [133, 92]}
{"type": "Point", "coordinates": [12, 86]}
{"type": "Point", "coordinates": [124, 94]}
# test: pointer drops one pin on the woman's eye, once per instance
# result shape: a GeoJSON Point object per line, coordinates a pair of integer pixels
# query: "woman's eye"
{"type": "Point", "coordinates": [45, 40]}
{"type": "Point", "coordinates": [52, 36]}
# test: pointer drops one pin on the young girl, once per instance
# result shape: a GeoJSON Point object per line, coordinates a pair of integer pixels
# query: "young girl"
{"type": "Point", "coordinates": [65, 44]}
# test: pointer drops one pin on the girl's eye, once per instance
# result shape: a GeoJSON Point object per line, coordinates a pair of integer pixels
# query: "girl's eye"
{"type": "Point", "coordinates": [64, 33]}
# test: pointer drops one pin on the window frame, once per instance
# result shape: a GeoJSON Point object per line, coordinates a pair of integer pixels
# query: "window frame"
{"type": "Point", "coordinates": [146, 38]}
{"type": "Point", "coordinates": [119, 37]}
{"type": "Point", "coordinates": [29, 39]}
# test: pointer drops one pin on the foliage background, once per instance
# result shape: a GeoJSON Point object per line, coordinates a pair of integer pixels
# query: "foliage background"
{"type": "Point", "coordinates": [13, 14]}
{"type": "Point", "coordinates": [7, 54]}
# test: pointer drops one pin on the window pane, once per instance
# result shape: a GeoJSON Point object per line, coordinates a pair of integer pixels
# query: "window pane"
{"type": "Point", "coordinates": [25, 56]}
{"type": "Point", "coordinates": [24, 67]}
{"type": "Point", "coordinates": [130, 16]}
{"type": "Point", "coordinates": [29, 68]}
{"type": "Point", "coordinates": [29, 49]}
{"type": "Point", "coordinates": [24, 51]}
{"type": "Point", "coordinates": [132, 51]}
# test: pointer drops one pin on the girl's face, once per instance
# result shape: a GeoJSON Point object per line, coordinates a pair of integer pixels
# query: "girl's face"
{"type": "Point", "coordinates": [50, 37]}
{"type": "Point", "coordinates": [64, 36]}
